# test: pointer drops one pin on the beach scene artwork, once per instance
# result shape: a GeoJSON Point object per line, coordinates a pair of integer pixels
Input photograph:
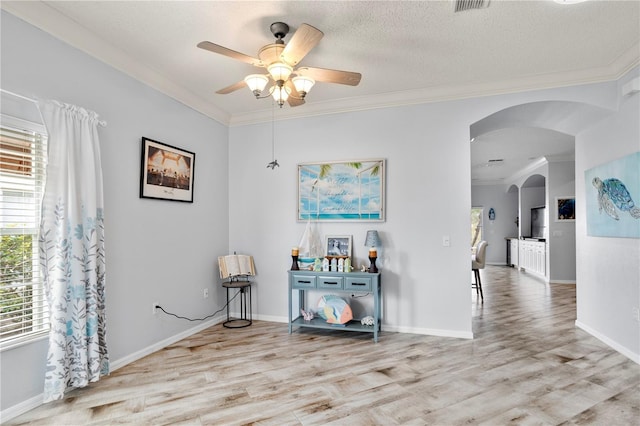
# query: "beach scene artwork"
{"type": "Point", "coordinates": [341, 191]}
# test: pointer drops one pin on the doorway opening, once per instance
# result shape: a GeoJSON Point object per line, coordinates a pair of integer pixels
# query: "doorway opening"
{"type": "Point", "coordinates": [477, 214]}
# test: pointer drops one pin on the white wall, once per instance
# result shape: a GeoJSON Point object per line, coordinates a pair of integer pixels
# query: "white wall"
{"type": "Point", "coordinates": [156, 250]}
{"type": "Point", "coordinates": [505, 205]}
{"type": "Point", "coordinates": [608, 269]}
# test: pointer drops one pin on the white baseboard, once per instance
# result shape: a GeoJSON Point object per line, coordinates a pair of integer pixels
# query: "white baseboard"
{"type": "Point", "coordinates": [271, 318]}
{"type": "Point", "coordinates": [429, 332]}
{"type": "Point", "coordinates": [36, 401]}
{"type": "Point", "coordinates": [21, 408]}
{"type": "Point", "coordinates": [562, 282]}
{"type": "Point", "coordinates": [614, 345]}
{"type": "Point", "coordinates": [114, 365]}
{"type": "Point", "coordinates": [396, 329]}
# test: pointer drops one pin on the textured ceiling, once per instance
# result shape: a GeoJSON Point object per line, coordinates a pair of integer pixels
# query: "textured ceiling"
{"type": "Point", "coordinates": [407, 51]}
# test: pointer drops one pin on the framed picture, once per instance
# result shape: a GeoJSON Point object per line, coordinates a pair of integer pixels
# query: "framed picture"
{"type": "Point", "coordinates": [342, 191]}
{"type": "Point", "coordinates": [166, 172]}
{"type": "Point", "coordinates": [612, 198]}
{"type": "Point", "coordinates": [338, 246]}
{"type": "Point", "coordinates": [565, 209]}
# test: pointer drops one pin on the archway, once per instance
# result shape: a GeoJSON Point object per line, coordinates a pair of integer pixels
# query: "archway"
{"type": "Point", "coordinates": [546, 125]}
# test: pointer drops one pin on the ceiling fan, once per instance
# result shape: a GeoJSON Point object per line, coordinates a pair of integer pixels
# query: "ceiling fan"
{"type": "Point", "coordinates": [286, 83]}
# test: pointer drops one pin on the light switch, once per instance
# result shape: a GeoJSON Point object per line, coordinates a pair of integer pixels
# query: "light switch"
{"type": "Point", "coordinates": [446, 241]}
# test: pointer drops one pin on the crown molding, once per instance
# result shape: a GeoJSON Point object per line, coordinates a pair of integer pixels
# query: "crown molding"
{"type": "Point", "coordinates": [561, 158]}
{"type": "Point", "coordinates": [53, 22]}
{"type": "Point", "coordinates": [48, 19]}
{"type": "Point", "coordinates": [494, 182]}
{"type": "Point", "coordinates": [527, 170]}
{"type": "Point", "coordinates": [614, 71]}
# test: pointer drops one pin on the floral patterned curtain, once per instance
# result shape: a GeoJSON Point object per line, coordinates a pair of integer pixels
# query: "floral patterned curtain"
{"type": "Point", "coordinates": [72, 249]}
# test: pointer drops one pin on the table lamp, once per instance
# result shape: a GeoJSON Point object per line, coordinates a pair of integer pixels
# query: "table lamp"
{"type": "Point", "coordinates": [372, 241]}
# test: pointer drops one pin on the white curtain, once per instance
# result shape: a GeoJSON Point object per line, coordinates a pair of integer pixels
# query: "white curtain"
{"type": "Point", "coordinates": [72, 249]}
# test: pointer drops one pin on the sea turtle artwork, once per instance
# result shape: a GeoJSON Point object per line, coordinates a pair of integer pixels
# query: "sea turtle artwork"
{"type": "Point", "coordinates": [612, 195]}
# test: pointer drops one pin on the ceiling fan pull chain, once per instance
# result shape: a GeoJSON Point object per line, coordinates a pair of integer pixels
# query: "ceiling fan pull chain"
{"type": "Point", "coordinates": [274, 163]}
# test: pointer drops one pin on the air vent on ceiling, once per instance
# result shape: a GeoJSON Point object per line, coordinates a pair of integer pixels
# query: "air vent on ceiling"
{"type": "Point", "coordinates": [462, 5]}
{"type": "Point", "coordinates": [496, 160]}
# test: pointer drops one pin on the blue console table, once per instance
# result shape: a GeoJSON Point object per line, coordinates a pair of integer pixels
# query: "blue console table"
{"type": "Point", "coordinates": [335, 282]}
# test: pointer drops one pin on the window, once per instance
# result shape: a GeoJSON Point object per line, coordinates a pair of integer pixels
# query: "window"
{"type": "Point", "coordinates": [23, 306]}
{"type": "Point", "coordinates": [476, 225]}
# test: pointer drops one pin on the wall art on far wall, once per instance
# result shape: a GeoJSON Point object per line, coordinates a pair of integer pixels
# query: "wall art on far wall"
{"type": "Point", "coordinates": [612, 194]}
{"type": "Point", "coordinates": [342, 191]}
{"type": "Point", "coordinates": [166, 172]}
{"type": "Point", "coordinates": [565, 209]}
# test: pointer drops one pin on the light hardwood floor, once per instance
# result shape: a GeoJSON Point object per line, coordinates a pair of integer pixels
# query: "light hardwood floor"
{"type": "Point", "coordinates": [528, 364]}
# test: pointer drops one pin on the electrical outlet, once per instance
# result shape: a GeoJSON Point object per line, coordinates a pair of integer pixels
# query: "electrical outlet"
{"type": "Point", "coordinates": [155, 310]}
{"type": "Point", "coordinates": [205, 293]}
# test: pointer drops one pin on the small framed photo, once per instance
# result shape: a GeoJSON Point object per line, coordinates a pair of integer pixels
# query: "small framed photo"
{"type": "Point", "coordinates": [338, 246]}
{"type": "Point", "coordinates": [166, 172]}
{"type": "Point", "coordinates": [565, 209]}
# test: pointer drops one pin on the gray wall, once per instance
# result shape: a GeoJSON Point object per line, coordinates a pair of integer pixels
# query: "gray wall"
{"type": "Point", "coordinates": [561, 236]}
{"type": "Point", "coordinates": [505, 205]}
{"type": "Point", "coordinates": [156, 250]}
{"type": "Point", "coordinates": [608, 269]}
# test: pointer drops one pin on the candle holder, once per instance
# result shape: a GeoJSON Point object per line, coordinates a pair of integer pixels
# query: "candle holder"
{"type": "Point", "coordinates": [372, 258]}
{"type": "Point", "coordinates": [294, 265]}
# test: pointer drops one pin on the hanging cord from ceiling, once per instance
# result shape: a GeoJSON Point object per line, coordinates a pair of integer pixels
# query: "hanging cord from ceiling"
{"type": "Point", "coordinates": [274, 163]}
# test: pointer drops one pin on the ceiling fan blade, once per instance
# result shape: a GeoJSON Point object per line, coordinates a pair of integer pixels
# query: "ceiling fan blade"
{"type": "Point", "coordinates": [295, 102]}
{"type": "Point", "coordinates": [331, 76]}
{"type": "Point", "coordinates": [294, 99]}
{"type": "Point", "coordinates": [236, 86]}
{"type": "Point", "coordinates": [215, 48]}
{"type": "Point", "coordinates": [301, 43]}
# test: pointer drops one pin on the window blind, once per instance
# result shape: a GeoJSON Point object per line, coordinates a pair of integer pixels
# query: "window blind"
{"type": "Point", "coordinates": [24, 312]}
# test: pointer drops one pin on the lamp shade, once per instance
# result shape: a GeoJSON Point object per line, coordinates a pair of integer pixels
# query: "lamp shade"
{"type": "Point", "coordinates": [372, 239]}
{"type": "Point", "coordinates": [280, 94]}
{"type": "Point", "coordinates": [303, 84]}
{"type": "Point", "coordinates": [256, 82]}
{"type": "Point", "coordinates": [279, 71]}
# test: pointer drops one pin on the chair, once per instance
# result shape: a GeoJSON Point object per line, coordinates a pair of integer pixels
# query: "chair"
{"type": "Point", "coordinates": [477, 263]}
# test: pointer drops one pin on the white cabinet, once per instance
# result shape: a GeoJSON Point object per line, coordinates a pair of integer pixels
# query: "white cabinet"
{"type": "Point", "coordinates": [533, 256]}
{"type": "Point", "coordinates": [514, 251]}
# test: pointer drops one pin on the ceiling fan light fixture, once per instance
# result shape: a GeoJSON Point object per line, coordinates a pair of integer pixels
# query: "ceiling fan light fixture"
{"type": "Point", "coordinates": [256, 83]}
{"type": "Point", "coordinates": [279, 71]}
{"type": "Point", "coordinates": [280, 59]}
{"type": "Point", "coordinates": [280, 94]}
{"type": "Point", "coordinates": [303, 84]}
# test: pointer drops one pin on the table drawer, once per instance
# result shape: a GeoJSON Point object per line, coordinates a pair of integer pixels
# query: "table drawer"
{"type": "Point", "coordinates": [357, 283]}
{"type": "Point", "coordinates": [330, 282]}
{"type": "Point", "coordinates": [304, 281]}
